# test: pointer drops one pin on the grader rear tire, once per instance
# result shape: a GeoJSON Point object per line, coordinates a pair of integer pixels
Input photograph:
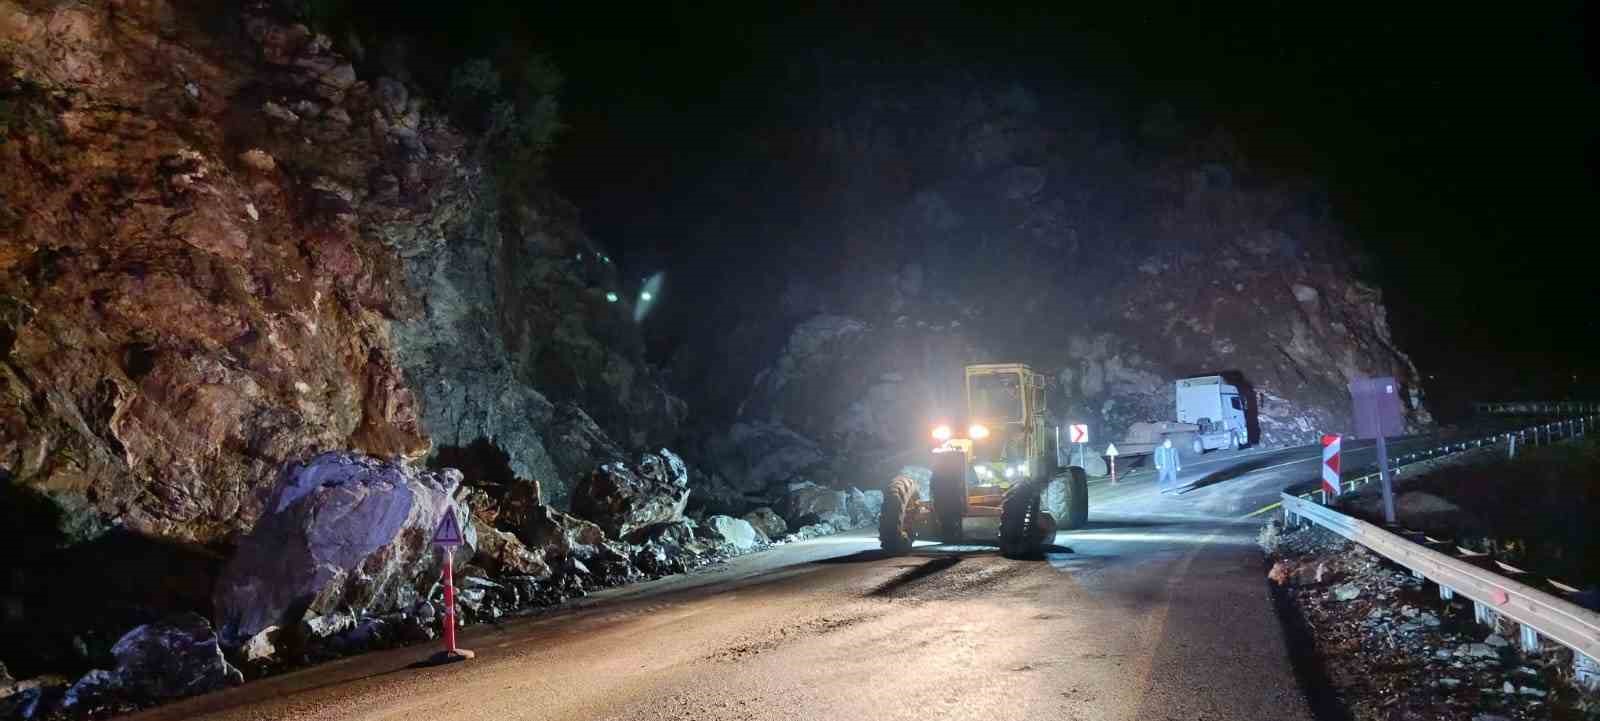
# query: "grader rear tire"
{"type": "Point", "coordinates": [1019, 522]}
{"type": "Point", "coordinates": [895, 527]}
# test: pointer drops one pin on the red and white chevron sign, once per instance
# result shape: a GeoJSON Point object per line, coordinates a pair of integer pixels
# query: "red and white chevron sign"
{"type": "Point", "coordinates": [1330, 465]}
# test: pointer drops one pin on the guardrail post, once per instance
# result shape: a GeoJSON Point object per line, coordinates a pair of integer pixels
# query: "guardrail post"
{"type": "Point", "coordinates": [1530, 640]}
{"type": "Point", "coordinates": [1446, 593]}
{"type": "Point", "coordinates": [1511, 445]}
{"type": "Point", "coordinates": [1482, 613]}
{"type": "Point", "coordinates": [1585, 671]}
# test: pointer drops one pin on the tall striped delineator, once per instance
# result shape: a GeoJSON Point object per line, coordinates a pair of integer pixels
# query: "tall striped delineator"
{"type": "Point", "coordinates": [1330, 466]}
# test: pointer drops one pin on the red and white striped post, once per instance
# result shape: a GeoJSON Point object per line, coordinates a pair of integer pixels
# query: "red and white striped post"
{"type": "Point", "coordinates": [449, 599]}
{"type": "Point", "coordinates": [447, 536]}
{"type": "Point", "coordinates": [1330, 467]}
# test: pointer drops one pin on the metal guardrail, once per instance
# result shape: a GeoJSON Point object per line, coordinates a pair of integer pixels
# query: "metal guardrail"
{"type": "Point", "coordinates": [1531, 408]}
{"type": "Point", "coordinates": [1531, 436]}
{"type": "Point", "coordinates": [1538, 614]}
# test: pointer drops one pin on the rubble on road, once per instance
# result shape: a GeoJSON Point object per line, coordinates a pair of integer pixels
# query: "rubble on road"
{"type": "Point", "coordinates": [342, 562]}
{"type": "Point", "coordinates": [1391, 649]}
{"type": "Point", "coordinates": [172, 658]}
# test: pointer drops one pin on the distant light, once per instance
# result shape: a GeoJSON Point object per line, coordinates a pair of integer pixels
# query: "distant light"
{"type": "Point", "coordinates": [611, 297]}
{"type": "Point", "coordinates": [605, 259]}
{"type": "Point", "coordinates": [1011, 473]}
{"type": "Point", "coordinates": [649, 292]}
{"type": "Point", "coordinates": [978, 430]}
{"type": "Point", "coordinates": [941, 433]}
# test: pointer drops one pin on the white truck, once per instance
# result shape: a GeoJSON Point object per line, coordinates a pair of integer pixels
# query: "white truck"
{"type": "Point", "coordinates": [1211, 415]}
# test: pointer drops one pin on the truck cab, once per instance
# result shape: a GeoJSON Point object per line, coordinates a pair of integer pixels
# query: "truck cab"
{"type": "Point", "coordinates": [1216, 408]}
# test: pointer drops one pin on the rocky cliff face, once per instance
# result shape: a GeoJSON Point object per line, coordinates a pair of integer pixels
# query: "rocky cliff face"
{"type": "Point", "coordinates": [224, 248]}
{"type": "Point", "coordinates": [972, 222]}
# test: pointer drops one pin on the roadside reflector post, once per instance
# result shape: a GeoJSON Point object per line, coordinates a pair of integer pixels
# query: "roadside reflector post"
{"type": "Point", "coordinates": [1585, 670]}
{"type": "Point", "coordinates": [1530, 640]}
{"type": "Point", "coordinates": [447, 536]}
{"type": "Point", "coordinates": [1331, 471]}
{"type": "Point", "coordinates": [1111, 453]}
{"type": "Point", "coordinates": [1482, 613]}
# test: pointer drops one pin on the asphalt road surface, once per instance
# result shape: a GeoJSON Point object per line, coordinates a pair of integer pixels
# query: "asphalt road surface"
{"type": "Point", "coordinates": [1158, 610]}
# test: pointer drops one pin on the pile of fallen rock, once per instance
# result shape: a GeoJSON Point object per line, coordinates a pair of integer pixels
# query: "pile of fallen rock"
{"type": "Point", "coordinates": [1391, 648]}
{"type": "Point", "coordinates": [342, 561]}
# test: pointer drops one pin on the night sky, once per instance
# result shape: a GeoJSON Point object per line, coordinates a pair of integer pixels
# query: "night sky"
{"type": "Point", "coordinates": [1457, 141]}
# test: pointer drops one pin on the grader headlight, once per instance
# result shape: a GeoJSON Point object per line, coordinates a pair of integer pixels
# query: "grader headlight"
{"type": "Point", "coordinates": [977, 431]}
{"type": "Point", "coordinates": [941, 433]}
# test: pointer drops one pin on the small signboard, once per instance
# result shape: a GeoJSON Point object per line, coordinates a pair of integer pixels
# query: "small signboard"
{"type": "Point", "coordinates": [1080, 433]}
{"type": "Point", "coordinates": [1378, 409]}
{"type": "Point", "coordinates": [449, 531]}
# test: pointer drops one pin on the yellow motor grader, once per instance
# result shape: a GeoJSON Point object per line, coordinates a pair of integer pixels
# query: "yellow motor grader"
{"type": "Point", "coordinates": [995, 473]}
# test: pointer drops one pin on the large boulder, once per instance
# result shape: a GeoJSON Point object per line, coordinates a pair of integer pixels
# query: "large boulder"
{"type": "Point", "coordinates": [502, 553]}
{"type": "Point", "coordinates": [342, 531]}
{"type": "Point", "coordinates": [864, 506]}
{"type": "Point", "coordinates": [175, 657]}
{"type": "Point", "coordinates": [754, 456]}
{"type": "Point", "coordinates": [559, 536]}
{"type": "Point", "coordinates": [768, 522]}
{"type": "Point", "coordinates": [578, 445]}
{"type": "Point", "coordinates": [736, 534]}
{"type": "Point", "coordinates": [623, 500]}
{"type": "Point", "coordinates": [1093, 465]}
{"type": "Point", "coordinates": [809, 503]}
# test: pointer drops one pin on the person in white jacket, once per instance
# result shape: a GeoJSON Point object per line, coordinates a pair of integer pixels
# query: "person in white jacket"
{"type": "Point", "coordinates": [1167, 464]}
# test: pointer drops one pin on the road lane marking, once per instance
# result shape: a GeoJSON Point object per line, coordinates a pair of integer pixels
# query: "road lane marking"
{"type": "Point", "coordinates": [1280, 465]}
{"type": "Point", "coordinates": [1263, 509]}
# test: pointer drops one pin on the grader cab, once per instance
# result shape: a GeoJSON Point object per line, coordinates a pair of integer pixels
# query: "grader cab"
{"type": "Point", "coordinates": [994, 472]}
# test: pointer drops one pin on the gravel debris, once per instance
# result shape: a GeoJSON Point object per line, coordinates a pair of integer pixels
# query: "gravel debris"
{"type": "Point", "coordinates": [1391, 649]}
